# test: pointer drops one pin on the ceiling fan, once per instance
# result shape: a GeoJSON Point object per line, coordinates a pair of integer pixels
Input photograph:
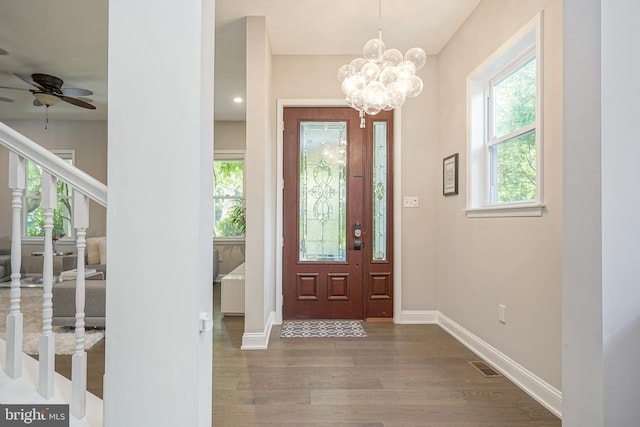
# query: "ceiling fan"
{"type": "Point", "coordinates": [50, 91]}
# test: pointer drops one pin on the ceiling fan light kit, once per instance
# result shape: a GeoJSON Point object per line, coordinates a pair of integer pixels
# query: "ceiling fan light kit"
{"type": "Point", "coordinates": [49, 91]}
{"type": "Point", "coordinates": [46, 98]}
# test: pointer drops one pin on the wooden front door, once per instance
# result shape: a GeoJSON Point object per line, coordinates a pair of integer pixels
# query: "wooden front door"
{"type": "Point", "coordinates": [337, 214]}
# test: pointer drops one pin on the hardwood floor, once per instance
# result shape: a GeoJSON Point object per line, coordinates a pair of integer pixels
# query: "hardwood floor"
{"type": "Point", "coordinates": [399, 376]}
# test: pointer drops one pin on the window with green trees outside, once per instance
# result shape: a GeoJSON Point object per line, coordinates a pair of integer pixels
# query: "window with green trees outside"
{"type": "Point", "coordinates": [34, 214]}
{"type": "Point", "coordinates": [228, 198]}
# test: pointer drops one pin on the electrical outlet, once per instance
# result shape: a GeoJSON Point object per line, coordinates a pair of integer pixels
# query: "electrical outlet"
{"type": "Point", "coordinates": [502, 313]}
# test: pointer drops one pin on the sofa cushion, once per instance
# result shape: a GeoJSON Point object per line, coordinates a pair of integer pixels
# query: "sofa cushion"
{"type": "Point", "coordinates": [102, 249]}
{"type": "Point", "coordinates": [93, 250]}
{"type": "Point", "coordinates": [64, 303]}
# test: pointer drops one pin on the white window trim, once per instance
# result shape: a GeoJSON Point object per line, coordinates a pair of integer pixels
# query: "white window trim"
{"type": "Point", "coordinates": [232, 155]}
{"type": "Point", "coordinates": [64, 154]}
{"type": "Point", "coordinates": [478, 174]}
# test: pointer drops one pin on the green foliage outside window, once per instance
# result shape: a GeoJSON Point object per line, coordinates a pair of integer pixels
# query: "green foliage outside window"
{"type": "Point", "coordinates": [229, 211]}
{"type": "Point", "coordinates": [62, 222]}
{"type": "Point", "coordinates": [513, 160]}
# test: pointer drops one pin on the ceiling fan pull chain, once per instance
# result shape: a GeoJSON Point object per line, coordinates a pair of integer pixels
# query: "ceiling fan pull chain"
{"type": "Point", "coordinates": [46, 123]}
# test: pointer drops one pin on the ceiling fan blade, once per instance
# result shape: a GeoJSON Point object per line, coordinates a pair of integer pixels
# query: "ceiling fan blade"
{"type": "Point", "coordinates": [37, 103]}
{"type": "Point", "coordinates": [27, 80]}
{"type": "Point", "coordinates": [70, 91]}
{"type": "Point", "coordinates": [14, 88]}
{"type": "Point", "coordinates": [78, 102]}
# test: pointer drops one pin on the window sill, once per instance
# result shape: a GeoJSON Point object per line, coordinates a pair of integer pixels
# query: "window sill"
{"type": "Point", "coordinates": [229, 241]}
{"type": "Point", "coordinates": [523, 210]}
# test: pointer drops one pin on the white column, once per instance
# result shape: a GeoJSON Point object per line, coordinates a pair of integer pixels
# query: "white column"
{"type": "Point", "coordinates": [159, 221]}
{"type": "Point", "coordinates": [620, 206]}
{"type": "Point", "coordinates": [79, 358]}
{"type": "Point", "coordinates": [46, 359]}
{"type": "Point", "coordinates": [17, 178]}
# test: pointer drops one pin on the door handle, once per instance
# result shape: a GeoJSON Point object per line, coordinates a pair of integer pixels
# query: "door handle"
{"type": "Point", "coordinates": [358, 244]}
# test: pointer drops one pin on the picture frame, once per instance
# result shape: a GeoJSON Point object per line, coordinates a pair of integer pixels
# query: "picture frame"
{"type": "Point", "coordinates": [450, 175]}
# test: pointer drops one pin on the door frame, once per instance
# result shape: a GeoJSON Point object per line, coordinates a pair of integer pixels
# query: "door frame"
{"type": "Point", "coordinates": [397, 199]}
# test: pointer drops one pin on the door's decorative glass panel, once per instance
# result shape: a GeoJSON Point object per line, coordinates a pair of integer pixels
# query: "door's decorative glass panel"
{"type": "Point", "coordinates": [379, 252]}
{"type": "Point", "coordinates": [323, 191]}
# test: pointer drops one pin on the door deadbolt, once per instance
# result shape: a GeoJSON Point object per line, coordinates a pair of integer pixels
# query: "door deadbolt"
{"type": "Point", "coordinates": [357, 230]}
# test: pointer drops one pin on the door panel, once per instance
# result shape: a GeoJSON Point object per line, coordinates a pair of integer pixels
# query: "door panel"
{"type": "Point", "coordinates": [327, 216]}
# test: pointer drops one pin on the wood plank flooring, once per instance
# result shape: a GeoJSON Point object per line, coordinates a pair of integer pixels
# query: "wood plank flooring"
{"type": "Point", "coordinates": [399, 376]}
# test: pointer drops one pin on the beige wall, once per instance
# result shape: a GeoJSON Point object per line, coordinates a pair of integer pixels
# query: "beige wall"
{"type": "Point", "coordinates": [483, 262]}
{"type": "Point", "coordinates": [87, 138]}
{"type": "Point", "coordinates": [229, 135]}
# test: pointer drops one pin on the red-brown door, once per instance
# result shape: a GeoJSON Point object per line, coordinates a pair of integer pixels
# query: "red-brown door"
{"type": "Point", "coordinates": [337, 215]}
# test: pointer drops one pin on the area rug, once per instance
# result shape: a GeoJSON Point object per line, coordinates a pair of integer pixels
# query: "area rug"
{"type": "Point", "coordinates": [31, 308]}
{"type": "Point", "coordinates": [322, 329]}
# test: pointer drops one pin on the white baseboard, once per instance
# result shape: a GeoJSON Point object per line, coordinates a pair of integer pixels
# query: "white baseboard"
{"type": "Point", "coordinates": [413, 317]}
{"type": "Point", "coordinates": [547, 395]}
{"type": "Point", "coordinates": [259, 340]}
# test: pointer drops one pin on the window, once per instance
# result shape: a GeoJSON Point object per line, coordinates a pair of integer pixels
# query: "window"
{"type": "Point", "coordinates": [505, 138]}
{"type": "Point", "coordinates": [228, 197]}
{"type": "Point", "coordinates": [34, 214]}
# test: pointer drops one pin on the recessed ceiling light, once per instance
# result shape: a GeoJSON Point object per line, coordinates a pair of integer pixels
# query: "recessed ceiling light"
{"type": "Point", "coordinates": [237, 100]}
{"type": "Point", "coordinates": [3, 99]}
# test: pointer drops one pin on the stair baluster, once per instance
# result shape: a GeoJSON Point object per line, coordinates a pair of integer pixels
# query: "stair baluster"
{"type": "Point", "coordinates": [79, 359]}
{"type": "Point", "coordinates": [47, 339]}
{"type": "Point", "coordinates": [17, 178]}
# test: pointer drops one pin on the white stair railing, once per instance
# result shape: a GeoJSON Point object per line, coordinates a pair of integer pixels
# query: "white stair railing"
{"type": "Point", "coordinates": [84, 188]}
{"type": "Point", "coordinates": [47, 340]}
{"type": "Point", "coordinates": [17, 178]}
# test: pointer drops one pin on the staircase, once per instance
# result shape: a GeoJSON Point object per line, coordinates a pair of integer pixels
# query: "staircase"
{"type": "Point", "coordinates": [24, 380]}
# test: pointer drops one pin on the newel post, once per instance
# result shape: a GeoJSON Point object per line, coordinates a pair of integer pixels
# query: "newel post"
{"type": "Point", "coordinates": [17, 178]}
{"type": "Point", "coordinates": [79, 359]}
{"type": "Point", "coordinates": [47, 339]}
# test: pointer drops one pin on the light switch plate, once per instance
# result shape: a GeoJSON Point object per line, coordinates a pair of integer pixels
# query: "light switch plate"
{"type": "Point", "coordinates": [411, 202]}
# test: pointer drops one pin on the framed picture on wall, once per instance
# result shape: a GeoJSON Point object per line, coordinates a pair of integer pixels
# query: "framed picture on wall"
{"type": "Point", "coordinates": [450, 175]}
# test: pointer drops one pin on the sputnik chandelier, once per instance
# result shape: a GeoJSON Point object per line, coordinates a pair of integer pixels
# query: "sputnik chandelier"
{"type": "Point", "coordinates": [384, 78]}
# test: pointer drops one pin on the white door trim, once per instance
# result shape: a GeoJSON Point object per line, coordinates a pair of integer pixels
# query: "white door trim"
{"type": "Point", "coordinates": [397, 191]}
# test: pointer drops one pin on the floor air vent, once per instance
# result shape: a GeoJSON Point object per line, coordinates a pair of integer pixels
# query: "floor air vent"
{"type": "Point", "coordinates": [484, 369]}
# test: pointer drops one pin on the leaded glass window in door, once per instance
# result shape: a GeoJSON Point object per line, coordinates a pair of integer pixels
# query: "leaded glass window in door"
{"type": "Point", "coordinates": [379, 186]}
{"type": "Point", "coordinates": [323, 191]}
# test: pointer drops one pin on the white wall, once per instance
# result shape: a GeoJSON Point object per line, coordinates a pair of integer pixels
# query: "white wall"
{"type": "Point", "coordinates": [89, 140]}
{"type": "Point", "coordinates": [484, 262]}
{"type": "Point", "coordinates": [260, 188]}
{"type": "Point", "coordinates": [582, 379]}
{"type": "Point", "coordinates": [158, 366]}
{"type": "Point", "coordinates": [620, 207]}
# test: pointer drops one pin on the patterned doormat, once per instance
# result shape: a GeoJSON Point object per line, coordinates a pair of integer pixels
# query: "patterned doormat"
{"type": "Point", "coordinates": [322, 329]}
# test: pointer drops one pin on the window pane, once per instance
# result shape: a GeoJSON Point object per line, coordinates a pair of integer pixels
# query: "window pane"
{"type": "Point", "coordinates": [513, 177]}
{"type": "Point", "coordinates": [515, 100]}
{"type": "Point", "coordinates": [323, 191]}
{"type": "Point", "coordinates": [62, 214]}
{"type": "Point", "coordinates": [228, 218]}
{"type": "Point", "coordinates": [228, 175]}
{"type": "Point", "coordinates": [379, 191]}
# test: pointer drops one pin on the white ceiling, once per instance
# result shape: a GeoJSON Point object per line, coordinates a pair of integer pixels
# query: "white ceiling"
{"type": "Point", "coordinates": [68, 39]}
